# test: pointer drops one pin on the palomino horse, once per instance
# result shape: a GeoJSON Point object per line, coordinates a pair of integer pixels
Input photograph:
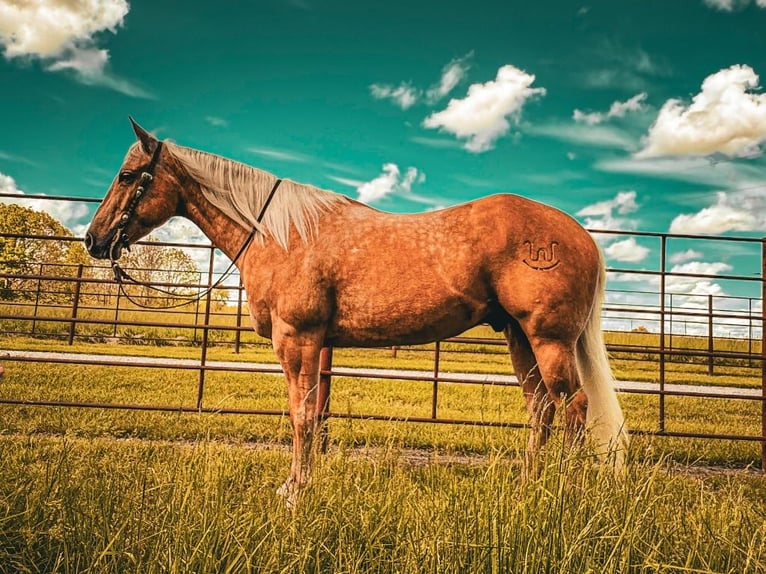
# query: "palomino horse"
{"type": "Point", "coordinates": [322, 269]}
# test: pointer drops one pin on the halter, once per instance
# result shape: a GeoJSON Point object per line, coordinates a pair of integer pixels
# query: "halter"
{"type": "Point", "coordinates": [121, 240]}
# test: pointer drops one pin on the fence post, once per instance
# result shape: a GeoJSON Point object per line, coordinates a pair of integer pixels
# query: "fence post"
{"type": "Point", "coordinates": [196, 311]}
{"type": "Point", "coordinates": [37, 299]}
{"type": "Point", "coordinates": [435, 393]}
{"type": "Point", "coordinates": [323, 394]}
{"type": "Point", "coordinates": [238, 333]}
{"type": "Point", "coordinates": [670, 324]}
{"type": "Point", "coordinates": [75, 303]}
{"type": "Point", "coordinates": [710, 361]}
{"type": "Point", "coordinates": [663, 246]}
{"type": "Point", "coordinates": [763, 355]}
{"type": "Point", "coordinates": [750, 331]}
{"type": "Point", "coordinates": [205, 332]}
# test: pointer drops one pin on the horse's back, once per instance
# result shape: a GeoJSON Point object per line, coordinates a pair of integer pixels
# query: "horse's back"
{"type": "Point", "coordinates": [445, 271]}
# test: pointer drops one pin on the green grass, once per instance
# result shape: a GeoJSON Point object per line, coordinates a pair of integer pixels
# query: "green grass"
{"type": "Point", "coordinates": [71, 505]}
{"type": "Point", "coordinates": [111, 490]}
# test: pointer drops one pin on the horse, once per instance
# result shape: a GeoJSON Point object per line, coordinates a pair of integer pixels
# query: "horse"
{"type": "Point", "coordinates": [321, 269]}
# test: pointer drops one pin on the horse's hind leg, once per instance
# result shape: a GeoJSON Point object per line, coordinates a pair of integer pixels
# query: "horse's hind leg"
{"type": "Point", "coordinates": [540, 408]}
{"type": "Point", "coordinates": [558, 369]}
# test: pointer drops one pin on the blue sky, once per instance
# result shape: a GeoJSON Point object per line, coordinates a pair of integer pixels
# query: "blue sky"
{"type": "Point", "coordinates": [634, 115]}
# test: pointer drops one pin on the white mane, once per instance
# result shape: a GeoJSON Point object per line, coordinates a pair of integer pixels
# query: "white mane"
{"type": "Point", "coordinates": [240, 192]}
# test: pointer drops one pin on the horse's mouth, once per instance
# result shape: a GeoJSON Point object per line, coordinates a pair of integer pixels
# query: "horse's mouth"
{"type": "Point", "coordinates": [110, 248]}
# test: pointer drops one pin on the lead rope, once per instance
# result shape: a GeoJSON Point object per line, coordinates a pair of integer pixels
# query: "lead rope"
{"type": "Point", "coordinates": [121, 276]}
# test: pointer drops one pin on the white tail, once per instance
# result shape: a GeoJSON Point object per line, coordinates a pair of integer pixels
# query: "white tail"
{"type": "Point", "coordinates": [604, 420]}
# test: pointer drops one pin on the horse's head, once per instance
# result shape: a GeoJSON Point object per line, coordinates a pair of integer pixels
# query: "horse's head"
{"type": "Point", "coordinates": [143, 196]}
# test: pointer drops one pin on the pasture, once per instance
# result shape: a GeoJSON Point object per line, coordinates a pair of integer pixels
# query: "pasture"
{"type": "Point", "coordinates": [112, 490]}
{"type": "Point", "coordinates": [104, 504]}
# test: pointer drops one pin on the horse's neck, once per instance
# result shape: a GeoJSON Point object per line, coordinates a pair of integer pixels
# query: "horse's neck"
{"type": "Point", "coordinates": [223, 232]}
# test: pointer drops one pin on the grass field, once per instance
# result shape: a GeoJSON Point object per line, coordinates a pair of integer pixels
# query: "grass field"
{"type": "Point", "coordinates": [105, 490]}
{"type": "Point", "coordinates": [103, 505]}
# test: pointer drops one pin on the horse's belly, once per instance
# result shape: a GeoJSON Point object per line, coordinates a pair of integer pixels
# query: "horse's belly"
{"type": "Point", "coordinates": [399, 322]}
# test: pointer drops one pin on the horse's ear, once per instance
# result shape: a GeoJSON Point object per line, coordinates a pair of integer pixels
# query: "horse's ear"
{"type": "Point", "coordinates": [148, 141]}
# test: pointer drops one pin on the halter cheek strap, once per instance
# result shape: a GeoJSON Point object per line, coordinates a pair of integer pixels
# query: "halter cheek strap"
{"type": "Point", "coordinates": [120, 237]}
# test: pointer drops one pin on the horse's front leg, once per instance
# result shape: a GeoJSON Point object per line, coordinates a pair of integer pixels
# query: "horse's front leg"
{"type": "Point", "coordinates": [298, 352]}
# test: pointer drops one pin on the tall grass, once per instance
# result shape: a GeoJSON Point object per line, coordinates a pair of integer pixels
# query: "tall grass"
{"type": "Point", "coordinates": [70, 505]}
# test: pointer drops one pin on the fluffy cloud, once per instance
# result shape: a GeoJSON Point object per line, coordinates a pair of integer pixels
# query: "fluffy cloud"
{"type": "Point", "coordinates": [736, 211]}
{"type": "Point", "coordinates": [452, 74]}
{"type": "Point", "coordinates": [405, 95]}
{"type": "Point", "coordinates": [627, 251]}
{"type": "Point", "coordinates": [684, 256]}
{"type": "Point", "coordinates": [50, 28]}
{"type": "Point", "coordinates": [601, 215]}
{"type": "Point", "coordinates": [616, 110]}
{"type": "Point", "coordinates": [68, 213]}
{"type": "Point", "coordinates": [62, 34]}
{"type": "Point", "coordinates": [692, 286]}
{"type": "Point", "coordinates": [726, 117]}
{"type": "Point", "coordinates": [388, 182]}
{"type": "Point", "coordinates": [483, 115]}
{"type": "Point", "coordinates": [731, 5]}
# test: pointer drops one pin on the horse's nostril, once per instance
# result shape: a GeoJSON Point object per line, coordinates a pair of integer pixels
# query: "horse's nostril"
{"type": "Point", "coordinates": [88, 241]}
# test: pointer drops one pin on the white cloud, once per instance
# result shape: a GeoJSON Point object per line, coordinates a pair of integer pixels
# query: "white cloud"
{"type": "Point", "coordinates": [68, 213]}
{"type": "Point", "coordinates": [50, 28]}
{"type": "Point", "coordinates": [616, 110]}
{"type": "Point", "coordinates": [63, 33]}
{"type": "Point", "coordinates": [601, 215]}
{"type": "Point", "coordinates": [701, 268]}
{"type": "Point", "coordinates": [452, 74]}
{"type": "Point", "coordinates": [683, 256]}
{"type": "Point", "coordinates": [483, 115]}
{"type": "Point", "coordinates": [279, 154]}
{"type": "Point", "coordinates": [388, 182]}
{"type": "Point", "coordinates": [600, 136]}
{"type": "Point", "coordinates": [731, 5]}
{"type": "Point", "coordinates": [217, 122]}
{"type": "Point", "coordinates": [735, 211]}
{"type": "Point", "coordinates": [725, 117]}
{"type": "Point", "coordinates": [695, 286]}
{"type": "Point", "coordinates": [403, 95]}
{"type": "Point", "coordinates": [627, 251]}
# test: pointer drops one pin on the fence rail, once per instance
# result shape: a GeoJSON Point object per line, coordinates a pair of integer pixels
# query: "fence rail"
{"type": "Point", "coordinates": [675, 322]}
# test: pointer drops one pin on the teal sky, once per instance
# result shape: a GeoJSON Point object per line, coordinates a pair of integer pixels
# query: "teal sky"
{"type": "Point", "coordinates": [595, 107]}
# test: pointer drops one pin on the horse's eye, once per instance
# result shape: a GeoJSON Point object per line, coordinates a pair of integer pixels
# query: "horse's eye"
{"type": "Point", "coordinates": [127, 176]}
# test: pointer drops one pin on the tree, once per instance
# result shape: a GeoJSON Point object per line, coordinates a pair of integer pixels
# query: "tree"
{"type": "Point", "coordinates": [54, 253]}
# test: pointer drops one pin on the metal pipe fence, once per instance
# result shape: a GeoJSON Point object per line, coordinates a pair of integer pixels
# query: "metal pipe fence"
{"type": "Point", "coordinates": [681, 319]}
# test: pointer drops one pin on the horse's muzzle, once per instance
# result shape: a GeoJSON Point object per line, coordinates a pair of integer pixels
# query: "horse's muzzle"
{"type": "Point", "coordinates": [105, 249]}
